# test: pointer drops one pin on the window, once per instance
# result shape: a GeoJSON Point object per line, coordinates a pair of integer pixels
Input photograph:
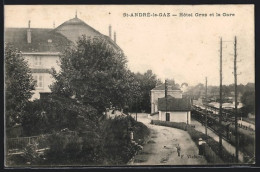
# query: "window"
{"type": "Point", "coordinates": [39, 80]}
{"type": "Point", "coordinates": [37, 61]}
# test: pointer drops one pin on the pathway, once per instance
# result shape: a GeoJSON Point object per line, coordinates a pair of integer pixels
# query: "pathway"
{"type": "Point", "coordinates": [161, 148]}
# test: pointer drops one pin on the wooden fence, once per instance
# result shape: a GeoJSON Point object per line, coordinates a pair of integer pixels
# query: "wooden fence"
{"type": "Point", "coordinates": [19, 143]}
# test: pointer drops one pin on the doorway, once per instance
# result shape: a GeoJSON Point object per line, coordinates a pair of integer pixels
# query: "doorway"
{"type": "Point", "coordinates": [167, 116]}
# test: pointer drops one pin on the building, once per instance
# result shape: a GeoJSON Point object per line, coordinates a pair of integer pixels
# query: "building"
{"type": "Point", "coordinates": [159, 92]}
{"type": "Point", "coordinates": [42, 47]}
{"type": "Point", "coordinates": [174, 109]}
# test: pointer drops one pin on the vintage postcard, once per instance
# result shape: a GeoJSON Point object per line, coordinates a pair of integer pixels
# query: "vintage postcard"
{"type": "Point", "coordinates": [129, 85]}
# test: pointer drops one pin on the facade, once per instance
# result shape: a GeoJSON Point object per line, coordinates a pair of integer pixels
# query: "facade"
{"type": "Point", "coordinates": [174, 109]}
{"type": "Point", "coordinates": [41, 64]}
{"type": "Point", "coordinates": [159, 92]}
{"type": "Point", "coordinates": [41, 47]}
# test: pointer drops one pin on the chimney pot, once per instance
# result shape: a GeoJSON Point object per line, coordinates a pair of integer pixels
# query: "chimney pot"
{"type": "Point", "coordinates": [110, 30]}
{"type": "Point", "coordinates": [29, 34]}
{"type": "Point", "coordinates": [115, 37]}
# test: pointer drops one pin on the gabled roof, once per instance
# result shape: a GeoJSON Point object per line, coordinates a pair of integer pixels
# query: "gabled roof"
{"type": "Point", "coordinates": [76, 21]}
{"type": "Point", "coordinates": [42, 40]}
{"type": "Point", "coordinates": [53, 40]}
{"type": "Point", "coordinates": [162, 87]}
{"type": "Point", "coordinates": [174, 104]}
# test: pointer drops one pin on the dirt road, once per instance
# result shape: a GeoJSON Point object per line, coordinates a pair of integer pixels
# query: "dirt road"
{"type": "Point", "coordinates": [161, 149]}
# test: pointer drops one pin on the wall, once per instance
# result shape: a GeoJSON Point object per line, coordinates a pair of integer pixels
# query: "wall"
{"type": "Point", "coordinates": [47, 62]}
{"type": "Point", "coordinates": [154, 117]}
{"type": "Point", "coordinates": [177, 116]}
{"type": "Point", "coordinates": [155, 94]}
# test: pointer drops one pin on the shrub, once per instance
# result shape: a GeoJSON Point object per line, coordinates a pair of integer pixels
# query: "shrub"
{"type": "Point", "coordinates": [29, 156]}
{"type": "Point", "coordinates": [64, 148]}
{"type": "Point", "coordinates": [118, 147]}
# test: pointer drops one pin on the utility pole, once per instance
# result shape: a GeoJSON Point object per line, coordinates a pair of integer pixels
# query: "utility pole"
{"type": "Point", "coordinates": [206, 116]}
{"type": "Point", "coordinates": [166, 89]}
{"type": "Point", "coordinates": [136, 109]}
{"type": "Point", "coordinates": [220, 101]}
{"type": "Point", "coordinates": [235, 77]}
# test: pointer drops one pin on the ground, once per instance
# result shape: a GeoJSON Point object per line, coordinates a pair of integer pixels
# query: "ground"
{"type": "Point", "coordinates": [161, 147]}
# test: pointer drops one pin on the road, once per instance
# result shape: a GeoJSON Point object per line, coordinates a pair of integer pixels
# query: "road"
{"type": "Point", "coordinates": [161, 148]}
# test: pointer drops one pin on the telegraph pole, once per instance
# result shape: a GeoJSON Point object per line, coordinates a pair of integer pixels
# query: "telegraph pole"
{"type": "Point", "coordinates": [220, 101]}
{"type": "Point", "coordinates": [166, 89]}
{"type": "Point", "coordinates": [206, 116]}
{"type": "Point", "coordinates": [235, 77]}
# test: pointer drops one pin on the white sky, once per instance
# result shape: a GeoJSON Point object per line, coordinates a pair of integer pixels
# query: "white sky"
{"type": "Point", "coordinates": [186, 49]}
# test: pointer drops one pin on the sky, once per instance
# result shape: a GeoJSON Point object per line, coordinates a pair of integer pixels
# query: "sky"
{"type": "Point", "coordinates": [185, 49]}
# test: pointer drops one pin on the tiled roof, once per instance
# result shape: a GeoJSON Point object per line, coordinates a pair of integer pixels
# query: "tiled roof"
{"type": "Point", "coordinates": [174, 104]}
{"type": "Point", "coordinates": [42, 40]}
{"type": "Point", "coordinates": [78, 22]}
{"type": "Point", "coordinates": [53, 40]}
{"type": "Point", "coordinates": [162, 87]}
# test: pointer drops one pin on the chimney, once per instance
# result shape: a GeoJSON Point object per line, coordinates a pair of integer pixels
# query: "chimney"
{"type": "Point", "coordinates": [54, 25]}
{"type": "Point", "coordinates": [115, 37]}
{"type": "Point", "coordinates": [110, 30]}
{"type": "Point", "coordinates": [29, 33]}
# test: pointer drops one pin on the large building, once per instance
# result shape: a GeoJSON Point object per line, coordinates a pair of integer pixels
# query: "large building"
{"type": "Point", "coordinates": [42, 47]}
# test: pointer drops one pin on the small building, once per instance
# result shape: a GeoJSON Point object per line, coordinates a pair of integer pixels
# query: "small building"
{"type": "Point", "coordinates": [174, 109]}
{"type": "Point", "coordinates": [159, 92]}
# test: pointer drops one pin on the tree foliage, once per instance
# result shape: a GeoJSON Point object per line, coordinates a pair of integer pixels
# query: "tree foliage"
{"type": "Point", "coordinates": [248, 100]}
{"type": "Point", "coordinates": [18, 85]}
{"type": "Point", "coordinates": [144, 84]}
{"type": "Point", "coordinates": [57, 113]}
{"type": "Point", "coordinates": [93, 73]}
{"type": "Point", "coordinates": [213, 91]}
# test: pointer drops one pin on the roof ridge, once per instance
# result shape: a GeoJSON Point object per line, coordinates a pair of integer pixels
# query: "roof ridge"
{"type": "Point", "coordinates": [68, 22]}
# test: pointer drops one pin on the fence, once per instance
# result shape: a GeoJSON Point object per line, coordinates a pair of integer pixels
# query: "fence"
{"type": "Point", "coordinates": [22, 142]}
{"type": "Point", "coordinates": [19, 143]}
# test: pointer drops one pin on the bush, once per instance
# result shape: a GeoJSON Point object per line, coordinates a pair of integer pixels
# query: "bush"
{"type": "Point", "coordinates": [64, 148]}
{"type": "Point", "coordinates": [55, 113]}
{"type": "Point", "coordinates": [29, 156]}
{"type": "Point", "coordinates": [118, 147]}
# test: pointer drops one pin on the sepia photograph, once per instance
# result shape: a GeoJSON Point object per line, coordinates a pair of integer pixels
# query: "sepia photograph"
{"type": "Point", "coordinates": [129, 85]}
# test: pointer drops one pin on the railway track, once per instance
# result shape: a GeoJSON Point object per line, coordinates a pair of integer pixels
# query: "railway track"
{"type": "Point", "coordinates": [247, 141]}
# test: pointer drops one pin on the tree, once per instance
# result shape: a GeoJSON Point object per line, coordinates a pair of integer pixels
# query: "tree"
{"type": "Point", "coordinates": [248, 100]}
{"type": "Point", "coordinates": [147, 82]}
{"type": "Point", "coordinates": [94, 73]}
{"type": "Point", "coordinates": [18, 85]}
